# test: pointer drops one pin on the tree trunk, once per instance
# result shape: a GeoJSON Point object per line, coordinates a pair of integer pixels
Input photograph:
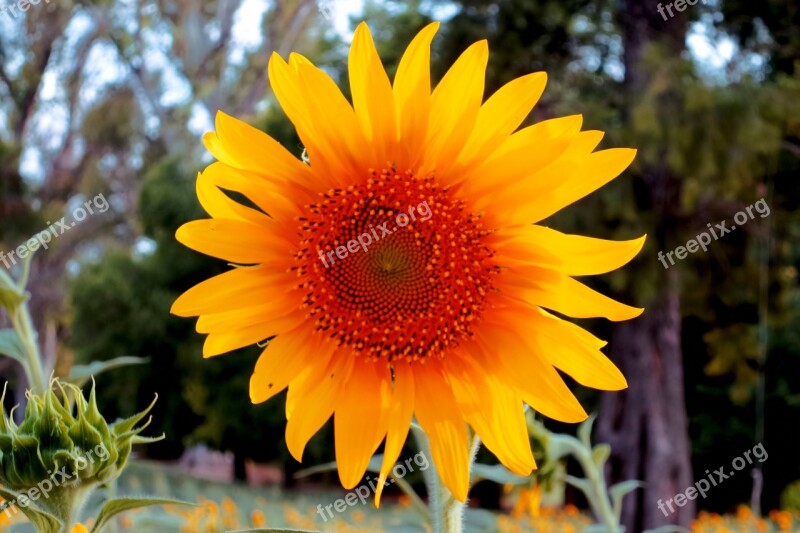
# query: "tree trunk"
{"type": "Point", "coordinates": [646, 425]}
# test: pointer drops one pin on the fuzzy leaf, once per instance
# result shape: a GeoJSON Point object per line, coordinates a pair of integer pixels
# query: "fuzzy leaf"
{"type": "Point", "coordinates": [496, 473]}
{"type": "Point", "coordinates": [81, 374]}
{"type": "Point", "coordinates": [43, 521]}
{"type": "Point", "coordinates": [579, 483]}
{"type": "Point", "coordinates": [119, 505]}
{"type": "Point", "coordinates": [11, 346]}
{"type": "Point", "coordinates": [585, 432]}
{"type": "Point", "coordinates": [618, 492]}
{"type": "Point", "coordinates": [11, 296]}
{"type": "Point", "coordinates": [600, 455]}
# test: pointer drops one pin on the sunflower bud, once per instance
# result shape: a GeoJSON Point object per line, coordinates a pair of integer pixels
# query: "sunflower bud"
{"type": "Point", "coordinates": [61, 452]}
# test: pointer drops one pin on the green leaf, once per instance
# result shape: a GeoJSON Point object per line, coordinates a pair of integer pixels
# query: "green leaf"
{"type": "Point", "coordinates": [119, 505]}
{"type": "Point", "coordinates": [585, 432]}
{"type": "Point", "coordinates": [600, 455]}
{"type": "Point", "coordinates": [11, 346]}
{"type": "Point", "coordinates": [496, 473]}
{"type": "Point", "coordinates": [11, 296]}
{"type": "Point", "coordinates": [579, 483]}
{"type": "Point", "coordinates": [81, 374]}
{"type": "Point", "coordinates": [618, 492]}
{"type": "Point", "coordinates": [43, 521]}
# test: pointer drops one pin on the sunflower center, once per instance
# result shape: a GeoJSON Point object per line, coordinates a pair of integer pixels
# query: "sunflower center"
{"type": "Point", "coordinates": [394, 266]}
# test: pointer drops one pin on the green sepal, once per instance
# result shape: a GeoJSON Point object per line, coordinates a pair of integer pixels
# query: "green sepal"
{"type": "Point", "coordinates": [148, 440]}
{"type": "Point", "coordinates": [52, 431]}
{"type": "Point", "coordinates": [82, 433]}
{"type": "Point", "coordinates": [126, 425]}
{"type": "Point", "coordinates": [25, 467]}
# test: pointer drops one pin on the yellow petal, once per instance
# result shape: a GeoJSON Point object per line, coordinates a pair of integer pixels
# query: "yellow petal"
{"type": "Point", "coordinates": [278, 199]}
{"type": "Point", "coordinates": [412, 95]}
{"type": "Point", "coordinates": [372, 94]}
{"type": "Point", "coordinates": [399, 417]}
{"type": "Point", "coordinates": [520, 157]}
{"type": "Point", "coordinates": [360, 419]}
{"type": "Point", "coordinates": [218, 205]}
{"type": "Point", "coordinates": [455, 104]}
{"type": "Point", "coordinates": [236, 289]}
{"type": "Point", "coordinates": [502, 113]}
{"type": "Point", "coordinates": [233, 240]}
{"type": "Point", "coordinates": [242, 146]}
{"type": "Point", "coordinates": [275, 309]}
{"type": "Point", "coordinates": [247, 333]}
{"type": "Point", "coordinates": [598, 169]}
{"type": "Point", "coordinates": [314, 396]}
{"type": "Point", "coordinates": [573, 255]}
{"type": "Point", "coordinates": [438, 414]}
{"type": "Point", "coordinates": [515, 361]}
{"type": "Point", "coordinates": [284, 358]}
{"type": "Point", "coordinates": [554, 128]}
{"type": "Point", "coordinates": [575, 351]}
{"type": "Point", "coordinates": [227, 341]}
{"type": "Point", "coordinates": [509, 177]}
{"type": "Point", "coordinates": [314, 372]}
{"type": "Point", "coordinates": [335, 120]}
{"type": "Point", "coordinates": [559, 292]}
{"type": "Point", "coordinates": [293, 97]}
{"type": "Point", "coordinates": [494, 411]}
{"type": "Point", "coordinates": [503, 180]}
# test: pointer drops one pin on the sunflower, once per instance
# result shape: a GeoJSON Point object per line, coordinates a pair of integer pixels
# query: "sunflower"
{"type": "Point", "coordinates": [397, 270]}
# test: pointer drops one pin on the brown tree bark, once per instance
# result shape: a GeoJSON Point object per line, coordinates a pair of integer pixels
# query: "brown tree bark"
{"type": "Point", "coordinates": [646, 425]}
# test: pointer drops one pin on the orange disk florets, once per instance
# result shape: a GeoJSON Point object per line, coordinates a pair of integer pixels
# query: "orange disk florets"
{"type": "Point", "coordinates": [394, 267]}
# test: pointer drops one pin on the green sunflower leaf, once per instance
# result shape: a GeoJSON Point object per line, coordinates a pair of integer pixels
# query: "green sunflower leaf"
{"type": "Point", "coordinates": [81, 374]}
{"type": "Point", "coordinates": [43, 521]}
{"type": "Point", "coordinates": [119, 505]}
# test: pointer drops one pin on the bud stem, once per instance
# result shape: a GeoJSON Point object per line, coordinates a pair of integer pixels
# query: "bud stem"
{"type": "Point", "coordinates": [24, 327]}
{"type": "Point", "coordinates": [67, 504]}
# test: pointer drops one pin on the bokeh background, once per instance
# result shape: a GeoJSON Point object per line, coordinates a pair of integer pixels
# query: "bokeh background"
{"type": "Point", "coordinates": [112, 97]}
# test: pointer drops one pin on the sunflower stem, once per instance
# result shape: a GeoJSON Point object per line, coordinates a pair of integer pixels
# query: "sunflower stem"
{"type": "Point", "coordinates": [23, 324]}
{"type": "Point", "coordinates": [447, 511]}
